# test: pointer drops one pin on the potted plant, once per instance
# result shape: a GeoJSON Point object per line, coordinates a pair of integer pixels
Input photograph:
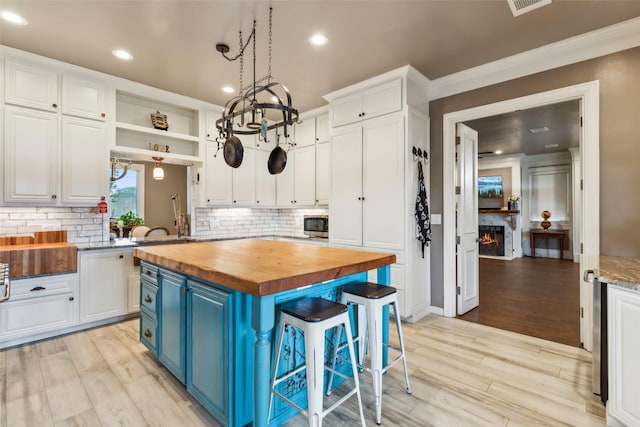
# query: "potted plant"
{"type": "Point", "coordinates": [129, 220]}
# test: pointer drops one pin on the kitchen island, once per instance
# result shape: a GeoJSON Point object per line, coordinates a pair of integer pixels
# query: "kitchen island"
{"type": "Point", "coordinates": [209, 312]}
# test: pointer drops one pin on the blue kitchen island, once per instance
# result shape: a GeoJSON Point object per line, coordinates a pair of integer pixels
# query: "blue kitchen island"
{"type": "Point", "coordinates": [209, 310]}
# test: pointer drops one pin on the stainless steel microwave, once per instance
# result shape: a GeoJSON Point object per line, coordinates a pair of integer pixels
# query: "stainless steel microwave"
{"type": "Point", "coordinates": [316, 225]}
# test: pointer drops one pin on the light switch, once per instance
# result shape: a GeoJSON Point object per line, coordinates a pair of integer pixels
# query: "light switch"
{"type": "Point", "coordinates": [436, 219]}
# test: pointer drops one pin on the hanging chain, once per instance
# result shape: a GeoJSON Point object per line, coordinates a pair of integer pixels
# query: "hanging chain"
{"type": "Point", "coordinates": [270, 33]}
{"type": "Point", "coordinates": [241, 64]}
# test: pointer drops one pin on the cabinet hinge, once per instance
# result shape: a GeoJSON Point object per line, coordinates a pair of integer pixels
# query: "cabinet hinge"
{"type": "Point", "coordinates": [457, 240]}
{"type": "Point", "coordinates": [457, 290]}
{"type": "Point", "coordinates": [457, 189]}
{"type": "Point", "coordinates": [457, 140]}
{"type": "Point", "coordinates": [581, 312]}
{"type": "Point", "coordinates": [581, 185]}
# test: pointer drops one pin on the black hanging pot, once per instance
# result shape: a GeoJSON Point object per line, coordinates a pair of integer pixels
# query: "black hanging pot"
{"type": "Point", "coordinates": [277, 160]}
{"type": "Point", "coordinates": [233, 151]}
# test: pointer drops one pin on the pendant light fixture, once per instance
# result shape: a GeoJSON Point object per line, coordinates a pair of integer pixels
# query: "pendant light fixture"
{"type": "Point", "coordinates": [259, 107]}
{"type": "Point", "coordinates": [158, 171]}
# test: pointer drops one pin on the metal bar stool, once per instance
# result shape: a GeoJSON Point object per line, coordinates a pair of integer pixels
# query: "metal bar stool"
{"type": "Point", "coordinates": [373, 298]}
{"type": "Point", "coordinates": [314, 316]}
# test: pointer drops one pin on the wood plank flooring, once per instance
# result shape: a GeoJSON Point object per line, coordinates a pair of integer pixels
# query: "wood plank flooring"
{"type": "Point", "coordinates": [462, 374]}
{"type": "Point", "coordinates": [539, 297]}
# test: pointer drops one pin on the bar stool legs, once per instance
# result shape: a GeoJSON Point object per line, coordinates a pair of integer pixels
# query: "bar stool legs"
{"type": "Point", "coordinates": [373, 298]}
{"type": "Point", "coordinates": [313, 316]}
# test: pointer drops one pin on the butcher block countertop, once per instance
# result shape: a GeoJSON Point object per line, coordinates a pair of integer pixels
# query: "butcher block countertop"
{"type": "Point", "coordinates": [262, 267]}
{"type": "Point", "coordinates": [47, 252]}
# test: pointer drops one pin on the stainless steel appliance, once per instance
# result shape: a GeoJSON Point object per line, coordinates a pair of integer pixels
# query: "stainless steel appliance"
{"type": "Point", "coordinates": [600, 380]}
{"type": "Point", "coordinates": [316, 225]}
{"type": "Point", "coordinates": [5, 284]}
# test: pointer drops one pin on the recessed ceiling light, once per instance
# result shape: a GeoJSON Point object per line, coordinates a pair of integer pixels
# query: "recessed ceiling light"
{"type": "Point", "coordinates": [318, 39]}
{"type": "Point", "coordinates": [13, 17]}
{"type": "Point", "coordinates": [551, 146]}
{"type": "Point", "coordinates": [539, 130]}
{"type": "Point", "coordinates": [228, 89]}
{"type": "Point", "coordinates": [497, 152]}
{"type": "Point", "coordinates": [122, 54]}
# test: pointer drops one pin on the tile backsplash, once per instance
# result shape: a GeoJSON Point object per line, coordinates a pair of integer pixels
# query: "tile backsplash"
{"type": "Point", "coordinates": [85, 225]}
{"type": "Point", "coordinates": [237, 222]}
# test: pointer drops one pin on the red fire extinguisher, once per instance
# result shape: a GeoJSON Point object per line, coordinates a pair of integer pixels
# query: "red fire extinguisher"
{"type": "Point", "coordinates": [102, 206]}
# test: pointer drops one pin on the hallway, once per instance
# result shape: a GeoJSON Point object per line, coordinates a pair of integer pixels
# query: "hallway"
{"type": "Point", "coordinates": [539, 297]}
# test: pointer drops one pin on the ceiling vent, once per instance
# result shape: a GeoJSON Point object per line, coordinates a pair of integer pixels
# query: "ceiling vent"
{"type": "Point", "coordinates": [519, 7]}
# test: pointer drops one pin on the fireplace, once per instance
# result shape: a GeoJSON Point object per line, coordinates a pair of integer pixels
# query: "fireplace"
{"type": "Point", "coordinates": [491, 240]}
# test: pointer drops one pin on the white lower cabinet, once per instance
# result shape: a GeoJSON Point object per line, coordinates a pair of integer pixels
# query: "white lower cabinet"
{"type": "Point", "coordinates": [624, 353]}
{"type": "Point", "coordinates": [104, 284]}
{"type": "Point", "coordinates": [37, 307]}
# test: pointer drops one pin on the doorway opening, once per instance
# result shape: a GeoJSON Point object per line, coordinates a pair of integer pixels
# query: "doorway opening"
{"type": "Point", "coordinates": [587, 93]}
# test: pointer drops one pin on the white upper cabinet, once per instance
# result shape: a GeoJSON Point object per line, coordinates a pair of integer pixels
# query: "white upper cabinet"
{"type": "Point", "coordinates": [373, 102]}
{"type": "Point", "coordinates": [83, 98]}
{"type": "Point", "coordinates": [323, 173]}
{"type": "Point", "coordinates": [265, 182]}
{"type": "Point", "coordinates": [305, 132]}
{"type": "Point", "coordinates": [322, 128]}
{"type": "Point", "coordinates": [218, 177]}
{"type": "Point", "coordinates": [285, 182]}
{"type": "Point", "coordinates": [244, 179]}
{"type": "Point", "coordinates": [31, 156]}
{"type": "Point", "coordinates": [31, 86]}
{"type": "Point", "coordinates": [305, 176]}
{"type": "Point", "coordinates": [84, 153]}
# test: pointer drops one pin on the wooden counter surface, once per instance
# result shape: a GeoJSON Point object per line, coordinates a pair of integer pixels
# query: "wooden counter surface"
{"type": "Point", "coordinates": [26, 260]}
{"type": "Point", "coordinates": [262, 267]}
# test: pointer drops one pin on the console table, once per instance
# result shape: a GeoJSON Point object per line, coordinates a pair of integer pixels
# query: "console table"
{"type": "Point", "coordinates": [546, 234]}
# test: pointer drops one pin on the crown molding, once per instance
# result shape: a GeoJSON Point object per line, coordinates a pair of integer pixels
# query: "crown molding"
{"type": "Point", "coordinates": [604, 41]}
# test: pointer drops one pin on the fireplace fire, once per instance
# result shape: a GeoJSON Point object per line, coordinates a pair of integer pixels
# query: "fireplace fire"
{"type": "Point", "coordinates": [491, 240]}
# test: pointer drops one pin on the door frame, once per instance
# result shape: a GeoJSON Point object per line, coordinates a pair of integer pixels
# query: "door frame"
{"type": "Point", "coordinates": [588, 93]}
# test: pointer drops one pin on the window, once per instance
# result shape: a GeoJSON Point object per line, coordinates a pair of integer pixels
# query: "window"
{"type": "Point", "coordinates": [127, 193]}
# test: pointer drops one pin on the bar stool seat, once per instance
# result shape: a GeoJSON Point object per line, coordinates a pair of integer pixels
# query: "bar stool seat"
{"type": "Point", "coordinates": [314, 316]}
{"type": "Point", "coordinates": [373, 298]}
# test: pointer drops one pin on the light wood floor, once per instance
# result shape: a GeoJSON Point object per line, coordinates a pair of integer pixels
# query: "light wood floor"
{"type": "Point", "coordinates": [462, 374]}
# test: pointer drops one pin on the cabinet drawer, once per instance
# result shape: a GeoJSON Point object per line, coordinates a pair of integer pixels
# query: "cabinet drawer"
{"type": "Point", "coordinates": [42, 286]}
{"type": "Point", "coordinates": [21, 318]}
{"type": "Point", "coordinates": [149, 272]}
{"type": "Point", "coordinates": [148, 297]}
{"type": "Point", "coordinates": [148, 332]}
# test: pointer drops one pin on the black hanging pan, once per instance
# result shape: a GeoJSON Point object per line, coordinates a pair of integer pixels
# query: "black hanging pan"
{"type": "Point", "coordinates": [278, 158]}
{"type": "Point", "coordinates": [233, 151]}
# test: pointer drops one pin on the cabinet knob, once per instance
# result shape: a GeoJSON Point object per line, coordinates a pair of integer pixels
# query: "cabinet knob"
{"type": "Point", "coordinates": [71, 298]}
{"type": "Point", "coordinates": [147, 333]}
{"type": "Point", "coordinates": [53, 196]}
{"type": "Point", "coordinates": [363, 198]}
{"type": "Point", "coordinates": [54, 105]}
{"type": "Point", "coordinates": [148, 273]}
{"type": "Point", "coordinates": [208, 200]}
{"type": "Point", "coordinates": [38, 288]}
{"type": "Point", "coordinates": [147, 299]}
{"type": "Point", "coordinates": [359, 198]}
{"type": "Point", "coordinates": [103, 115]}
{"type": "Point", "coordinates": [121, 256]}
{"type": "Point", "coordinates": [208, 135]}
{"type": "Point", "coordinates": [257, 201]}
{"type": "Point", "coordinates": [235, 201]}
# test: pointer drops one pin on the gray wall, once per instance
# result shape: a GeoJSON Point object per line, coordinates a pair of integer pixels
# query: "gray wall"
{"type": "Point", "coordinates": [619, 146]}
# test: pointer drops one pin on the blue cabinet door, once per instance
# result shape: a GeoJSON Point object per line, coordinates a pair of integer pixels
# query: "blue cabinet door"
{"type": "Point", "coordinates": [171, 331]}
{"type": "Point", "coordinates": [209, 348]}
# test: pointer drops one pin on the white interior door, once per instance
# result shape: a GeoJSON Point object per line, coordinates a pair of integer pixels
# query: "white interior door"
{"type": "Point", "coordinates": [467, 219]}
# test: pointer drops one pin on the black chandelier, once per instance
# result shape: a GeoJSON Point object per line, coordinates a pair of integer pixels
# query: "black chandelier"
{"type": "Point", "coordinates": [248, 112]}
